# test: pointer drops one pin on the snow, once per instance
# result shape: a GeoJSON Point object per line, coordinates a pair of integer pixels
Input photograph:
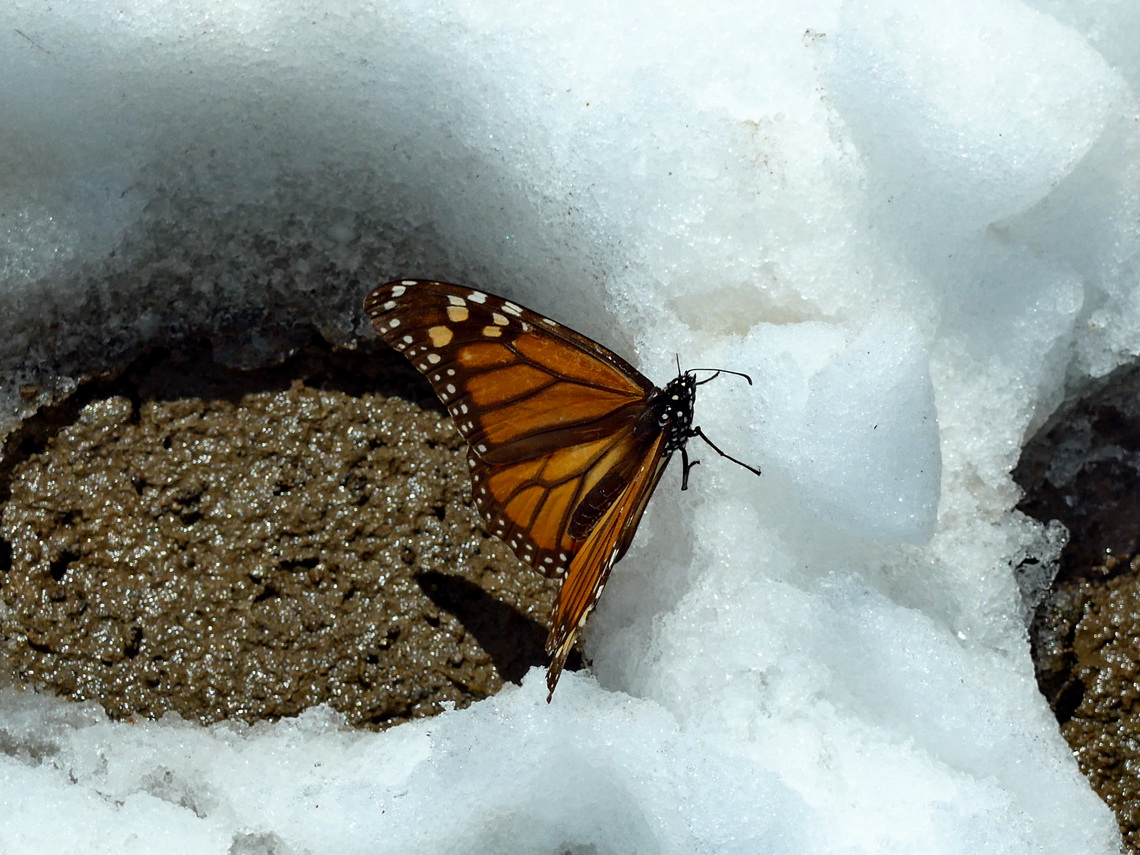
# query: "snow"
{"type": "Point", "coordinates": [914, 226]}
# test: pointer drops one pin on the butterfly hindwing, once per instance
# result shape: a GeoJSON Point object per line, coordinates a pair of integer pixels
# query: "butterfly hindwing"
{"type": "Point", "coordinates": [533, 505]}
{"type": "Point", "coordinates": [591, 566]}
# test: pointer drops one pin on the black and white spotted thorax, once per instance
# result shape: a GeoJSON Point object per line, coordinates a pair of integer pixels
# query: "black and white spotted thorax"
{"type": "Point", "coordinates": [674, 408]}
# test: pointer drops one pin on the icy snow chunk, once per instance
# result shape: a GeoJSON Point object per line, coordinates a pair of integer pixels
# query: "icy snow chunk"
{"type": "Point", "coordinates": [853, 426]}
{"type": "Point", "coordinates": [967, 112]}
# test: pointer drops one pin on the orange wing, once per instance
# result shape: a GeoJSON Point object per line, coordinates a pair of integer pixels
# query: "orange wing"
{"type": "Point", "coordinates": [564, 451]}
{"type": "Point", "coordinates": [591, 566]}
{"type": "Point", "coordinates": [551, 417]}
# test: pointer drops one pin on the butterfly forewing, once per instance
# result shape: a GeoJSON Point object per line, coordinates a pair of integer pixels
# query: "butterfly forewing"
{"type": "Point", "coordinates": [564, 452]}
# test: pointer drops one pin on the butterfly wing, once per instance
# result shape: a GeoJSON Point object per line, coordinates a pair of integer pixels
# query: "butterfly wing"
{"type": "Point", "coordinates": [555, 422]}
{"type": "Point", "coordinates": [592, 564]}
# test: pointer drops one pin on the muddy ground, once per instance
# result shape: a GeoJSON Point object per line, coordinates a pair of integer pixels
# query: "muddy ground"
{"type": "Point", "coordinates": [247, 544]}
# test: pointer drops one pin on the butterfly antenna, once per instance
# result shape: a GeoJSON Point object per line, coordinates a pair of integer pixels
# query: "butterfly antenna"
{"type": "Point", "coordinates": [719, 371]}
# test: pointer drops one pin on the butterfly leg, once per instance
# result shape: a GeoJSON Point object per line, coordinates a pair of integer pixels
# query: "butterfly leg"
{"type": "Point", "coordinates": [686, 466]}
{"type": "Point", "coordinates": [698, 432]}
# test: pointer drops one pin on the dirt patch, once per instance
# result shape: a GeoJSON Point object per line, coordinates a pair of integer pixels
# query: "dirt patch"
{"type": "Point", "coordinates": [230, 544]}
{"type": "Point", "coordinates": [1085, 472]}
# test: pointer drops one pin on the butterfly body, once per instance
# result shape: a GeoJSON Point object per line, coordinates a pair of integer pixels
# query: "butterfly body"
{"type": "Point", "coordinates": [566, 440]}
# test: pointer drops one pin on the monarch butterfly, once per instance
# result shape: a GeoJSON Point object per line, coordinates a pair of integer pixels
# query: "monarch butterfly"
{"type": "Point", "coordinates": [566, 440]}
